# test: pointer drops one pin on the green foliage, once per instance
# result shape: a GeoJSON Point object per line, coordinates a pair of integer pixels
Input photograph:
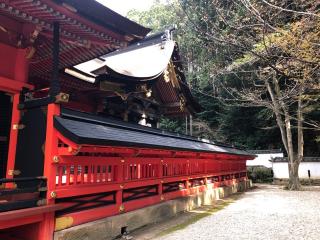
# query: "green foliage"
{"type": "Point", "coordinates": [215, 36]}
{"type": "Point", "coordinates": [260, 174]}
{"type": "Point", "coordinates": [159, 17]}
{"type": "Point", "coordinates": [177, 125]}
{"type": "Point", "coordinates": [246, 127]}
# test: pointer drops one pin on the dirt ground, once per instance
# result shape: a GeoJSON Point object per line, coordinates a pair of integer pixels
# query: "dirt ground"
{"type": "Point", "coordinates": [265, 212]}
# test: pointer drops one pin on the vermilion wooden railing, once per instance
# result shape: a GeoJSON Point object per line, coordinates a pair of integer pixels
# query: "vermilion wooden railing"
{"type": "Point", "coordinates": [92, 182]}
{"type": "Point", "coordinates": [80, 170]}
{"type": "Point", "coordinates": [135, 181]}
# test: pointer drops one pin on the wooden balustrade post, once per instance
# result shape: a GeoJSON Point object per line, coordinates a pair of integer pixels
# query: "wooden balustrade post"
{"type": "Point", "coordinates": [51, 151]}
{"type": "Point", "coordinates": [187, 181]}
{"type": "Point", "coordinates": [160, 185]}
{"type": "Point", "coordinates": [161, 164]}
{"type": "Point", "coordinates": [188, 168]}
{"type": "Point", "coordinates": [206, 166]}
{"type": "Point", "coordinates": [188, 186]}
{"type": "Point", "coordinates": [120, 180]}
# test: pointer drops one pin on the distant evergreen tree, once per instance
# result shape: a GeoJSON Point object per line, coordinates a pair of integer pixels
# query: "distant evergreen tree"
{"type": "Point", "coordinates": [199, 25]}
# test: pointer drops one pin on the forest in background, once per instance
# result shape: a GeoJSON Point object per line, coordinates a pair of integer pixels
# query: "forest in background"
{"type": "Point", "coordinates": [224, 46]}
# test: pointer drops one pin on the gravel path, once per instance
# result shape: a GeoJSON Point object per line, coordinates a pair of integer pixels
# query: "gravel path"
{"type": "Point", "coordinates": [267, 213]}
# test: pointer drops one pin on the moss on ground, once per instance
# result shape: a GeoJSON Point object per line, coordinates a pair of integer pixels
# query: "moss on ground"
{"type": "Point", "coordinates": [202, 213]}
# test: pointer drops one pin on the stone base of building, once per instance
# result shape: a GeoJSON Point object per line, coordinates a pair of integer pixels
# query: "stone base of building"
{"type": "Point", "coordinates": [111, 227]}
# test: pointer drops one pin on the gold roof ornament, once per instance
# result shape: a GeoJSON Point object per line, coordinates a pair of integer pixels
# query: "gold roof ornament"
{"type": "Point", "coordinates": [166, 75]}
{"type": "Point", "coordinates": [182, 103]}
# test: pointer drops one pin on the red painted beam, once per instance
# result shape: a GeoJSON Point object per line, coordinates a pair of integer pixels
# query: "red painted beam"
{"type": "Point", "coordinates": [12, 86]}
{"type": "Point", "coordinates": [25, 216]}
{"type": "Point", "coordinates": [27, 212]}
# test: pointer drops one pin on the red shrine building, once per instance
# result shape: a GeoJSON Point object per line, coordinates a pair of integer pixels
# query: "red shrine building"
{"type": "Point", "coordinates": [77, 83]}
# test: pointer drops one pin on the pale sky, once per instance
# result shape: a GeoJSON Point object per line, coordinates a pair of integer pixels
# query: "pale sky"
{"type": "Point", "coordinates": [124, 6]}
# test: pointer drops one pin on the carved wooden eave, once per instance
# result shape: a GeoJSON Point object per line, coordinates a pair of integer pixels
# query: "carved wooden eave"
{"type": "Point", "coordinates": [84, 34]}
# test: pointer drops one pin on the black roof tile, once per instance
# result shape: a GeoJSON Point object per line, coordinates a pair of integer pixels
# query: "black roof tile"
{"type": "Point", "coordinates": [84, 128]}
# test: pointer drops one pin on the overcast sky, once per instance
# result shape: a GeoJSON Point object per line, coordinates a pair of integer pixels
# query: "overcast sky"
{"type": "Point", "coordinates": [124, 6]}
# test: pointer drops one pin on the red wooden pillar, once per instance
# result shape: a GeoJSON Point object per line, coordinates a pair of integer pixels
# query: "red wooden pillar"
{"type": "Point", "coordinates": [51, 152]}
{"type": "Point", "coordinates": [46, 227]}
{"type": "Point", "coordinates": [13, 137]}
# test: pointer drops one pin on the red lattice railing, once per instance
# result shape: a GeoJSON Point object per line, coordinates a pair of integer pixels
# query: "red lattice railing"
{"type": "Point", "coordinates": [94, 182]}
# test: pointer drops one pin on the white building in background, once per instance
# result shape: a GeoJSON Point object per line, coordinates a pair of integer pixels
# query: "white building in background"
{"type": "Point", "coordinates": [308, 164]}
{"type": "Point", "coordinates": [274, 159]}
{"type": "Point", "coordinates": [264, 157]}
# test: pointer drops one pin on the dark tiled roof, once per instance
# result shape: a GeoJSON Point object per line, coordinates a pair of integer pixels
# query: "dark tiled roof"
{"type": "Point", "coordinates": [305, 159]}
{"type": "Point", "coordinates": [265, 151]}
{"type": "Point", "coordinates": [98, 13]}
{"type": "Point", "coordinates": [86, 129]}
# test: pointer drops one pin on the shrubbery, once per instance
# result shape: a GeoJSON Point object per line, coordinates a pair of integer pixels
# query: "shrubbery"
{"type": "Point", "coordinates": [260, 174]}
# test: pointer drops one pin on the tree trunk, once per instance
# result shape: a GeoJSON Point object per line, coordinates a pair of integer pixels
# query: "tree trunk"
{"type": "Point", "coordinates": [293, 161]}
{"type": "Point", "coordinates": [294, 182]}
{"type": "Point", "coordinates": [284, 122]}
{"type": "Point", "coordinates": [277, 112]}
